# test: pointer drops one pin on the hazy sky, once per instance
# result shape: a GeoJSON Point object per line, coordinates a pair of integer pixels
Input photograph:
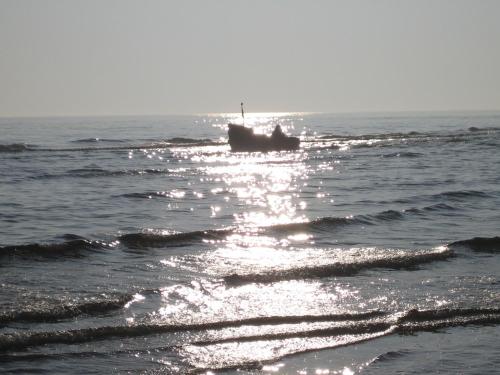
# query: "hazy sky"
{"type": "Point", "coordinates": [97, 57]}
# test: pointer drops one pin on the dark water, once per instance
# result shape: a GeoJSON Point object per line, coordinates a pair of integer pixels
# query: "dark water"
{"type": "Point", "coordinates": [144, 245]}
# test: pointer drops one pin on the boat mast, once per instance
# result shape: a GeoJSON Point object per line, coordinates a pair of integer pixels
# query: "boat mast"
{"type": "Point", "coordinates": [242, 113]}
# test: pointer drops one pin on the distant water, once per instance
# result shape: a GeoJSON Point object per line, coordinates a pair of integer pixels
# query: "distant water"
{"type": "Point", "coordinates": [144, 245]}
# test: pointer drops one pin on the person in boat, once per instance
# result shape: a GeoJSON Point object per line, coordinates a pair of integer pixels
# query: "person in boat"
{"type": "Point", "coordinates": [278, 133]}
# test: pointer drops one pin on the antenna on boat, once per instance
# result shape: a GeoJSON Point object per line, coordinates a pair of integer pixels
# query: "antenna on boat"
{"type": "Point", "coordinates": [242, 113]}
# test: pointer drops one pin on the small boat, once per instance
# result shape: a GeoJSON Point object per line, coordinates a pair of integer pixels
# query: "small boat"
{"type": "Point", "coordinates": [242, 138]}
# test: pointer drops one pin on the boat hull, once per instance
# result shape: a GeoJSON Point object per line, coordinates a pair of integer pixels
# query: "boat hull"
{"type": "Point", "coordinates": [242, 139]}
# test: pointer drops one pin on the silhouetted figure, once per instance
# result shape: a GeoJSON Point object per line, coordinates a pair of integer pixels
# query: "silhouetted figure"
{"type": "Point", "coordinates": [278, 133]}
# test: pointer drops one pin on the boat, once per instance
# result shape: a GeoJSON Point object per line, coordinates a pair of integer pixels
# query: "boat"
{"type": "Point", "coordinates": [243, 139]}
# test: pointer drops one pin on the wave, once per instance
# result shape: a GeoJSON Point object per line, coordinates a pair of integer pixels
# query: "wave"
{"type": "Point", "coordinates": [329, 222]}
{"type": "Point", "coordinates": [15, 147]}
{"type": "Point", "coordinates": [363, 137]}
{"type": "Point", "coordinates": [452, 195]}
{"type": "Point", "coordinates": [324, 223]}
{"type": "Point", "coordinates": [431, 208]}
{"type": "Point", "coordinates": [354, 141]}
{"type": "Point", "coordinates": [144, 240]}
{"type": "Point", "coordinates": [375, 218]}
{"type": "Point", "coordinates": [94, 140]}
{"type": "Point", "coordinates": [348, 329]}
{"type": "Point", "coordinates": [193, 141]}
{"type": "Point", "coordinates": [72, 248]}
{"type": "Point", "coordinates": [401, 261]}
{"type": "Point", "coordinates": [75, 245]}
{"type": "Point", "coordinates": [185, 140]}
{"type": "Point", "coordinates": [173, 142]}
{"type": "Point", "coordinates": [66, 311]}
{"type": "Point", "coordinates": [155, 194]}
{"type": "Point", "coordinates": [480, 244]}
{"type": "Point", "coordinates": [140, 240]}
{"type": "Point", "coordinates": [462, 194]}
{"type": "Point", "coordinates": [148, 195]}
{"type": "Point", "coordinates": [225, 353]}
{"type": "Point", "coordinates": [19, 340]}
{"type": "Point", "coordinates": [406, 154]}
{"type": "Point", "coordinates": [321, 224]}
{"type": "Point", "coordinates": [100, 172]}
{"type": "Point", "coordinates": [350, 324]}
{"type": "Point", "coordinates": [487, 129]}
{"type": "Point", "coordinates": [398, 139]}
{"type": "Point", "coordinates": [389, 356]}
{"type": "Point", "coordinates": [431, 320]}
{"type": "Point", "coordinates": [93, 172]}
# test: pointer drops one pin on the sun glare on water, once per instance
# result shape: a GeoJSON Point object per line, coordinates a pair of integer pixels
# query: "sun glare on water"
{"type": "Point", "coordinates": [267, 193]}
{"type": "Point", "coordinates": [260, 122]}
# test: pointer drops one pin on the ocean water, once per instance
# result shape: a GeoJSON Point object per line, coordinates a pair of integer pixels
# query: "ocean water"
{"type": "Point", "coordinates": [143, 245]}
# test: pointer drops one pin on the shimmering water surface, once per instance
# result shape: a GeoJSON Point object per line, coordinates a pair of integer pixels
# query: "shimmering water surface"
{"type": "Point", "coordinates": [144, 245]}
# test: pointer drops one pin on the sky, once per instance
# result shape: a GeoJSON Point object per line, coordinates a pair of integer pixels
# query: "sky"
{"type": "Point", "coordinates": [155, 57]}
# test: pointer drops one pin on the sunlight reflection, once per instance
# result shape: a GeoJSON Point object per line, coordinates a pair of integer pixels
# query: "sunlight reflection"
{"type": "Point", "coordinates": [264, 183]}
{"type": "Point", "coordinates": [206, 301]}
{"type": "Point", "coordinates": [262, 122]}
{"type": "Point", "coordinates": [273, 368]}
{"type": "Point", "coordinates": [137, 298]}
{"type": "Point", "coordinates": [227, 355]}
{"type": "Point", "coordinates": [268, 185]}
{"type": "Point", "coordinates": [254, 254]}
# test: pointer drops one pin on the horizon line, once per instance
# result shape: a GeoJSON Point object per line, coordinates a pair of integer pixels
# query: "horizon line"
{"type": "Point", "coordinates": [257, 113]}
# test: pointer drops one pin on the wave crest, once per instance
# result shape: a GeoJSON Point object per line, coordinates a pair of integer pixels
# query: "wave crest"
{"type": "Point", "coordinates": [351, 324]}
{"type": "Point", "coordinates": [95, 140]}
{"type": "Point", "coordinates": [14, 147]}
{"type": "Point", "coordinates": [66, 311]}
{"type": "Point", "coordinates": [72, 248]}
{"type": "Point", "coordinates": [140, 240]}
{"type": "Point", "coordinates": [144, 240]}
{"type": "Point", "coordinates": [480, 244]}
{"type": "Point", "coordinates": [407, 260]}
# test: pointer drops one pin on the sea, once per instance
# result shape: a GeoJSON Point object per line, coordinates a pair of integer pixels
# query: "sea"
{"type": "Point", "coordinates": [143, 245]}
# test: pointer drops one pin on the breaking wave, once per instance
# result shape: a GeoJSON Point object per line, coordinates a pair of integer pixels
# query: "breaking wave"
{"type": "Point", "coordinates": [347, 324]}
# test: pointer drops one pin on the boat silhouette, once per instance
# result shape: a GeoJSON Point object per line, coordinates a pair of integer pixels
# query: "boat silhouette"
{"type": "Point", "coordinates": [243, 139]}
